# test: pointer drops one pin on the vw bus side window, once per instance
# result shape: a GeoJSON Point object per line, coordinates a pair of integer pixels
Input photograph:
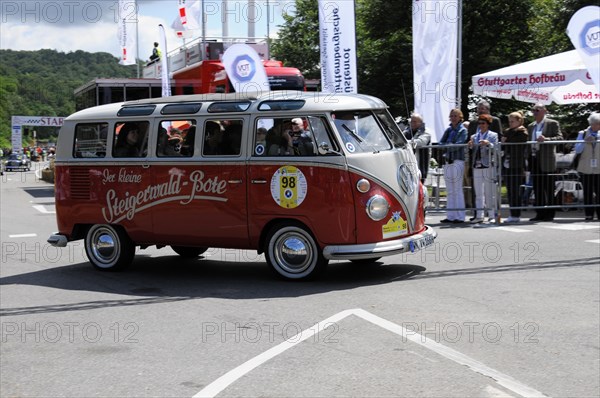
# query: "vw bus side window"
{"type": "Point", "coordinates": [131, 140]}
{"type": "Point", "coordinates": [90, 140]}
{"type": "Point", "coordinates": [222, 137]}
{"type": "Point", "coordinates": [176, 138]}
{"type": "Point", "coordinates": [360, 132]}
{"type": "Point", "coordinates": [287, 136]}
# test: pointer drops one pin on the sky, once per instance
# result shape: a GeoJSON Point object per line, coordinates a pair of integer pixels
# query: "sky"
{"type": "Point", "coordinates": [91, 25]}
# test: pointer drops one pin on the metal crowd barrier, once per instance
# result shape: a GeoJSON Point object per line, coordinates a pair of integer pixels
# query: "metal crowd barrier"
{"type": "Point", "coordinates": [568, 193]}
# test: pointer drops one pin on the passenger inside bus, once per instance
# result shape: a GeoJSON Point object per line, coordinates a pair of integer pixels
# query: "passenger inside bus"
{"type": "Point", "coordinates": [131, 140]}
{"type": "Point", "coordinates": [302, 144]}
{"type": "Point", "coordinates": [174, 142]}
{"type": "Point", "coordinates": [278, 139]}
{"type": "Point", "coordinates": [232, 138]}
{"type": "Point", "coordinates": [213, 136]}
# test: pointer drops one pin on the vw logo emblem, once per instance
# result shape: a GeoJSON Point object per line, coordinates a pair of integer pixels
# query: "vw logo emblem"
{"type": "Point", "coordinates": [406, 179]}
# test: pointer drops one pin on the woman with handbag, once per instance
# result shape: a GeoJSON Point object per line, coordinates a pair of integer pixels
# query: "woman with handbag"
{"type": "Point", "coordinates": [588, 152]}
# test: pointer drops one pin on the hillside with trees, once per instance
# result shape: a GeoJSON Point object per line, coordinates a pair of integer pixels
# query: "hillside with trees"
{"type": "Point", "coordinates": [41, 83]}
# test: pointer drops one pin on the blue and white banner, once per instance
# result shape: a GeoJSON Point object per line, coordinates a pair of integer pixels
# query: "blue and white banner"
{"type": "Point", "coordinates": [245, 69]}
{"type": "Point", "coordinates": [164, 63]}
{"type": "Point", "coordinates": [338, 46]}
{"type": "Point", "coordinates": [127, 31]}
{"type": "Point", "coordinates": [584, 32]}
{"type": "Point", "coordinates": [435, 43]}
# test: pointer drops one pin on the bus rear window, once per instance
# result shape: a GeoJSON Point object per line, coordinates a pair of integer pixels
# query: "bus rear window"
{"type": "Point", "coordinates": [90, 140]}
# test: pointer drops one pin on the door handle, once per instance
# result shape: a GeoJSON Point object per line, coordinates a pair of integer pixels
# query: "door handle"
{"type": "Point", "coordinates": [259, 181]}
{"type": "Point", "coordinates": [234, 181]}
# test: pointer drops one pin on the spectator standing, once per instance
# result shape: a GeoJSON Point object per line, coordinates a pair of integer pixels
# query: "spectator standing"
{"type": "Point", "coordinates": [483, 108]}
{"type": "Point", "coordinates": [589, 165]}
{"type": "Point", "coordinates": [484, 182]}
{"type": "Point", "coordinates": [454, 167]}
{"type": "Point", "coordinates": [514, 162]}
{"type": "Point", "coordinates": [542, 161]}
{"type": "Point", "coordinates": [421, 137]}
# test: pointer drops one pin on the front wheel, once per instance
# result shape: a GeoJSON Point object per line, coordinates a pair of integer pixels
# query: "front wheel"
{"type": "Point", "coordinates": [108, 248]}
{"type": "Point", "coordinates": [293, 253]}
{"type": "Point", "coordinates": [189, 252]}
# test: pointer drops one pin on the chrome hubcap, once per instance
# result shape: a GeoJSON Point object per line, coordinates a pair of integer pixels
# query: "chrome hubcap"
{"type": "Point", "coordinates": [104, 246]}
{"type": "Point", "coordinates": [293, 253]}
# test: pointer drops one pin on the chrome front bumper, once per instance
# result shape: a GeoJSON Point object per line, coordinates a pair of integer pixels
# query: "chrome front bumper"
{"type": "Point", "coordinates": [57, 240]}
{"type": "Point", "coordinates": [411, 243]}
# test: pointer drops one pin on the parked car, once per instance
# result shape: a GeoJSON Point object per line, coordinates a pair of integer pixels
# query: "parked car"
{"type": "Point", "coordinates": [17, 161]}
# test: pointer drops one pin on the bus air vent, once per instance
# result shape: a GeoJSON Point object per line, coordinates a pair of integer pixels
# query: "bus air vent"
{"type": "Point", "coordinates": [80, 183]}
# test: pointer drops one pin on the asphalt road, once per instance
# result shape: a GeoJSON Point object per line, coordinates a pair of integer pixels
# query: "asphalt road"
{"type": "Point", "coordinates": [486, 312]}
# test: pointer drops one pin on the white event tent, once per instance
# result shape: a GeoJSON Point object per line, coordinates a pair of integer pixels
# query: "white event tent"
{"type": "Point", "coordinates": [560, 78]}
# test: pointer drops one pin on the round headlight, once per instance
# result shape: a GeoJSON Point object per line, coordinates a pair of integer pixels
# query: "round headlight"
{"type": "Point", "coordinates": [377, 207]}
{"type": "Point", "coordinates": [363, 185]}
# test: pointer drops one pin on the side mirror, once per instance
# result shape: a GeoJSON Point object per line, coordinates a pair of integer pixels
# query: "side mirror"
{"type": "Point", "coordinates": [324, 148]}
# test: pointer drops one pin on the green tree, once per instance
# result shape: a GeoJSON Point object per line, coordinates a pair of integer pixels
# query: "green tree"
{"type": "Point", "coordinates": [298, 43]}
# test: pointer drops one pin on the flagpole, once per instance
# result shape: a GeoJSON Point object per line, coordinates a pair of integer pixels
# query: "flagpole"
{"type": "Point", "coordinates": [137, 40]}
{"type": "Point", "coordinates": [268, 34]}
{"type": "Point", "coordinates": [203, 52]}
{"type": "Point", "coordinates": [459, 57]}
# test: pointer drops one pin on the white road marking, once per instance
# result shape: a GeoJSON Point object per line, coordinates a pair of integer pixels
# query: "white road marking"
{"type": "Point", "coordinates": [513, 229]}
{"type": "Point", "coordinates": [572, 227]}
{"type": "Point", "coordinates": [230, 377]}
{"type": "Point", "coordinates": [593, 241]}
{"type": "Point", "coordinates": [493, 392]}
{"type": "Point", "coordinates": [23, 236]}
{"type": "Point", "coordinates": [42, 209]}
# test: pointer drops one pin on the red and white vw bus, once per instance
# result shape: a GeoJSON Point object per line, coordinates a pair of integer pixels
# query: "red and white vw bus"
{"type": "Point", "coordinates": [302, 177]}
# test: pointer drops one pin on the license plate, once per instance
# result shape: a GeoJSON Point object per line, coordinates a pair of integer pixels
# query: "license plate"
{"type": "Point", "coordinates": [420, 243]}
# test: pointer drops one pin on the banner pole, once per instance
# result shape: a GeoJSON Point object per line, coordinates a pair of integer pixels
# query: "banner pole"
{"type": "Point", "coordinates": [137, 40]}
{"type": "Point", "coordinates": [459, 57]}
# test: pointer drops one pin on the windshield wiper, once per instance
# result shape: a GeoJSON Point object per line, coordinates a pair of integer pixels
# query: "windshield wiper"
{"type": "Point", "coordinates": [352, 133]}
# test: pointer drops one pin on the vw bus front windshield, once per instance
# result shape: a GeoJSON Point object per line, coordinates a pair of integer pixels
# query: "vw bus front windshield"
{"type": "Point", "coordinates": [365, 131]}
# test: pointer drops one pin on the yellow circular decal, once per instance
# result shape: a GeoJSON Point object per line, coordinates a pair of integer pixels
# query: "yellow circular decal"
{"type": "Point", "coordinates": [288, 187]}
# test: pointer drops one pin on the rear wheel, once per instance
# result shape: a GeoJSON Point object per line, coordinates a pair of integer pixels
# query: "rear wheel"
{"type": "Point", "coordinates": [108, 248]}
{"type": "Point", "coordinates": [188, 251]}
{"type": "Point", "coordinates": [293, 253]}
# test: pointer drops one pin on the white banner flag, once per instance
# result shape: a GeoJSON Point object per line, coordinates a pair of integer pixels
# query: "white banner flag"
{"type": "Point", "coordinates": [245, 69]}
{"type": "Point", "coordinates": [188, 15]}
{"type": "Point", "coordinates": [164, 63]}
{"type": "Point", "coordinates": [127, 31]}
{"type": "Point", "coordinates": [584, 32]}
{"type": "Point", "coordinates": [338, 46]}
{"type": "Point", "coordinates": [435, 41]}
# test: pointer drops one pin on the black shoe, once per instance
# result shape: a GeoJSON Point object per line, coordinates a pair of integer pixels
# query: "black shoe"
{"type": "Point", "coordinates": [457, 222]}
{"type": "Point", "coordinates": [446, 221]}
{"type": "Point", "coordinates": [536, 218]}
{"type": "Point", "coordinates": [589, 218]}
{"type": "Point", "coordinates": [548, 219]}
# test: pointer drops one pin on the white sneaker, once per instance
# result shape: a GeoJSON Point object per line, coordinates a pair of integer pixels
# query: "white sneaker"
{"type": "Point", "coordinates": [491, 221]}
{"type": "Point", "coordinates": [477, 220]}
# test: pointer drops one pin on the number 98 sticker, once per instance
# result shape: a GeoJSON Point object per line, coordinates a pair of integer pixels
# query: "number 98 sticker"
{"type": "Point", "coordinates": [288, 187]}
